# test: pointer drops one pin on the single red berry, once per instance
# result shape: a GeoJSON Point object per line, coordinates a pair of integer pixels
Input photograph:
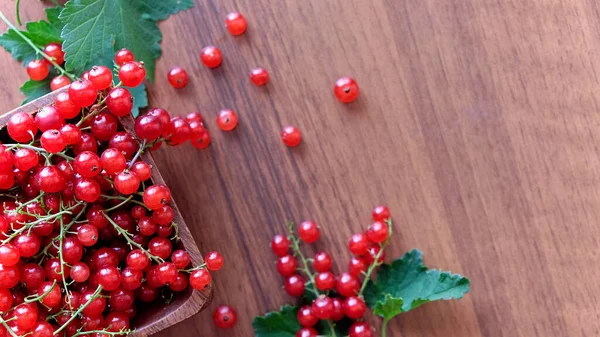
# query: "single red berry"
{"type": "Point", "coordinates": [197, 129]}
{"type": "Point", "coordinates": [54, 50]}
{"type": "Point", "coordinates": [50, 179]}
{"type": "Point", "coordinates": [164, 215]}
{"type": "Point", "coordinates": [322, 306]}
{"type": "Point", "coordinates": [201, 142]}
{"type": "Point", "coordinates": [338, 310]}
{"type": "Point", "coordinates": [199, 279]}
{"type": "Point", "coordinates": [214, 260]}
{"type": "Point", "coordinates": [9, 276]}
{"type": "Point", "coordinates": [354, 307]}
{"type": "Point", "coordinates": [38, 69]}
{"type": "Point", "coordinates": [180, 258]}
{"type": "Point", "coordinates": [72, 250]}
{"type": "Point", "coordinates": [101, 77]}
{"type": "Point", "coordinates": [123, 56]}
{"type": "Point", "coordinates": [294, 285]}
{"type": "Point", "coordinates": [360, 329]}
{"type": "Point", "coordinates": [286, 265]}
{"type": "Point", "coordinates": [87, 189]}
{"type": "Point", "coordinates": [87, 164]}
{"type": "Point", "coordinates": [6, 300]}
{"type": "Point", "coordinates": [377, 232]}
{"type": "Point", "coordinates": [224, 317]}
{"type": "Point", "coordinates": [67, 108]}
{"type": "Point", "coordinates": [236, 23]}
{"type": "Point", "coordinates": [132, 74]}
{"type": "Point", "coordinates": [322, 262]}
{"type": "Point", "coordinates": [131, 279]}
{"type": "Point", "coordinates": [52, 291]}
{"type": "Point", "coordinates": [96, 305]}
{"type": "Point", "coordinates": [147, 226]}
{"type": "Point", "coordinates": [9, 255]}
{"type": "Point", "coordinates": [181, 282]}
{"type": "Point", "coordinates": [308, 232]}
{"type": "Point", "coordinates": [227, 120]}
{"type": "Point", "coordinates": [381, 213]}
{"type": "Point", "coordinates": [124, 142]}
{"type": "Point", "coordinates": [373, 252]}
{"type": "Point", "coordinates": [119, 102]}
{"type": "Point", "coordinates": [347, 285]}
{"type": "Point", "coordinates": [165, 120]}
{"type": "Point", "coordinates": [109, 278]}
{"type": "Point", "coordinates": [87, 235]}
{"type": "Point", "coordinates": [26, 315]}
{"type": "Point", "coordinates": [166, 273]}
{"type": "Point", "coordinates": [211, 57]}
{"type": "Point", "coordinates": [137, 211]}
{"type": "Point", "coordinates": [148, 127]}
{"type": "Point", "coordinates": [346, 89]}
{"type": "Point", "coordinates": [280, 245]}
{"type": "Point", "coordinates": [126, 182]}
{"type": "Point", "coordinates": [82, 93]}
{"type": "Point", "coordinates": [307, 332]}
{"type": "Point", "coordinates": [80, 272]}
{"type": "Point", "coordinates": [156, 195]}
{"type": "Point", "coordinates": [53, 141]}
{"type": "Point", "coordinates": [180, 131]}
{"type": "Point", "coordinates": [325, 281]}
{"type": "Point", "coordinates": [21, 127]}
{"type": "Point", "coordinates": [259, 76]}
{"type": "Point", "coordinates": [291, 136]}
{"type": "Point", "coordinates": [160, 247]}
{"type": "Point", "coordinates": [58, 82]}
{"type": "Point", "coordinates": [49, 118]}
{"type": "Point", "coordinates": [113, 161]}
{"type": "Point", "coordinates": [31, 276]}
{"type": "Point", "coordinates": [357, 266]}
{"type": "Point", "coordinates": [142, 169]}
{"type": "Point", "coordinates": [306, 317]}
{"type": "Point", "coordinates": [194, 117]}
{"type": "Point", "coordinates": [359, 244]}
{"type": "Point", "coordinates": [177, 77]}
{"type": "Point", "coordinates": [71, 134]}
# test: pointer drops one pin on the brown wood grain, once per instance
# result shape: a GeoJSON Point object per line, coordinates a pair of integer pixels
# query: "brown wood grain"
{"type": "Point", "coordinates": [478, 124]}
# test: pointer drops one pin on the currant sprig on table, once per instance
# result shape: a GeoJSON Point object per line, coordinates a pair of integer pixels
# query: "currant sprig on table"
{"type": "Point", "coordinates": [85, 236]}
{"type": "Point", "coordinates": [337, 306]}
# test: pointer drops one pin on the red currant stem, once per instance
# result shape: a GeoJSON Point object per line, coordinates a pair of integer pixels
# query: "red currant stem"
{"type": "Point", "coordinates": [176, 228]}
{"type": "Point", "coordinates": [130, 241]}
{"type": "Point", "coordinates": [137, 154]}
{"type": "Point", "coordinates": [190, 270]}
{"type": "Point", "coordinates": [376, 263]}
{"type": "Point", "coordinates": [30, 225]}
{"type": "Point", "coordinates": [104, 332]}
{"type": "Point", "coordinates": [110, 197]}
{"type": "Point", "coordinates": [36, 48]}
{"type": "Point", "coordinates": [9, 196]}
{"type": "Point", "coordinates": [297, 252]}
{"type": "Point", "coordinates": [90, 115]}
{"type": "Point", "coordinates": [38, 149]}
{"type": "Point", "coordinates": [384, 327]}
{"type": "Point", "coordinates": [332, 328]}
{"type": "Point", "coordinates": [60, 256]}
{"type": "Point", "coordinates": [17, 13]}
{"type": "Point", "coordinates": [35, 298]}
{"type": "Point", "coordinates": [80, 310]}
{"type": "Point", "coordinates": [3, 322]}
{"type": "Point", "coordinates": [119, 205]}
{"type": "Point", "coordinates": [30, 202]}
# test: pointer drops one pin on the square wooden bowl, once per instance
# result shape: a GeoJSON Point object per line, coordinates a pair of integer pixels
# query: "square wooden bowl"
{"type": "Point", "coordinates": [155, 317]}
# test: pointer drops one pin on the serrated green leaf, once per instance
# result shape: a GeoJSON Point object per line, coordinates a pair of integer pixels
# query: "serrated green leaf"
{"type": "Point", "coordinates": [17, 47]}
{"type": "Point", "coordinates": [283, 323]}
{"type": "Point", "coordinates": [389, 307]}
{"type": "Point", "coordinates": [94, 29]}
{"type": "Point", "coordinates": [140, 99]}
{"type": "Point", "coordinates": [42, 32]}
{"type": "Point", "coordinates": [52, 14]}
{"type": "Point", "coordinates": [35, 89]}
{"type": "Point", "coordinates": [411, 281]}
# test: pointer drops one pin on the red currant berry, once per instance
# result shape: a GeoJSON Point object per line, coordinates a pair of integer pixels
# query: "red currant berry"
{"type": "Point", "coordinates": [131, 279]}
{"type": "Point", "coordinates": [346, 89]}
{"type": "Point", "coordinates": [71, 134]}
{"type": "Point", "coordinates": [160, 247]}
{"type": "Point", "coordinates": [373, 253]}
{"type": "Point", "coordinates": [280, 245]}
{"type": "Point", "coordinates": [347, 285]}
{"type": "Point", "coordinates": [325, 281]}
{"type": "Point", "coordinates": [38, 69]}
{"type": "Point", "coordinates": [178, 77]}
{"type": "Point", "coordinates": [357, 266]}
{"type": "Point", "coordinates": [294, 285]}
{"type": "Point", "coordinates": [9, 255]}
{"type": "Point", "coordinates": [53, 141]}
{"type": "Point", "coordinates": [80, 272]}
{"type": "Point", "coordinates": [165, 119]}
{"type": "Point", "coordinates": [123, 56]}
{"type": "Point", "coordinates": [26, 315]}
{"type": "Point", "coordinates": [113, 161]}
{"type": "Point", "coordinates": [101, 77]}
{"type": "Point", "coordinates": [96, 305]}
{"type": "Point", "coordinates": [32, 276]}
{"type": "Point", "coordinates": [322, 306]}
{"type": "Point", "coordinates": [306, 317]}
{"type": "Point", "coordinates": [354, 307]}
{"type": "Point", "coordinates": [82, 93]}
{"type": "Point", "coordinates": [164, 215]}
{"type": "Point", "coordinates": [359, 244]}
{"type": "Point", "coordinates": [360, 329]}
{"type": "Point", "coordinates": [119, 102]}
{"type": "Point", "coordinates": [214, 261]}
{"type": "Point", "coordinates": [87, 235]}
{"type": "Point", "coordinates": [211, 57]}
{"type": "Point", "coordinates": [148, 127]}
{"type": "Point", "coordinates": [49, 118]}
{"type": "Point", "coordinates": [21, 127]}
{"type": "Point", "coordinates": [109, 278]}
{"type": "Point", "coordinates": [224, 317]}
{"type": "Point", "coordinates": [236, 23]}
{"type": "Point", "coordinates": [9, 276]}
{"type": "Point", "coordinates": [199, 279]}
{"type": "Point", "coordinates": [181, 282]}
{"type": "Point", "coordinates": [54, 50]}
{"type": "Point", "coordinates": [156, 195]}
{"type": "Point", "coordinates": [308, 232]}
{"type": "Point", "coordinates": [132, 74]}
{"type": "Point", "coordinates": [381, 213]}
{"type": "Point", "coordinates": [124, 142]}
{"type": "Point", "coordinates": [50, 179]}
{"type": "Point", "coordinates": [87, 189]}
{"type": "Point", "coordinates": [322, 262]}
{"type": "Point", "coordinates": [166, 273]}
{"type": "Point", "coordinates": [87, 164]}
{"type": "Point", "coordinates": [137, 259]}
{"type": "Point", "coordinates": [180, 131]}
{"type": "Point", "coordinates": [180, 258]}
{"type": "Point", "coordinates": [197, 129]}
{"type": "Point", "coordinates": [137, 211]}
{"type": "Point", "coordinates": [72, 250]}
{"type": "Point", "coordinates": [259, 76]}
{"type": "Point", "coordinates": [377, 232]}
{"type": "Point", "coordinates": [286, 265]}
{"type": "Point", "coordinates": [194, 117]}
{"type": "Point", "coordinates": [227, 120]}
{"type": "Point", "coordinates": [307, 332]}
{"type": "Point", "coordinates": [201, 142]}
{"type": "Point", "coordinates": [142, 169]}
{"type": "Point", "coordinates": [95, 217]}
{"type": "Point", "coordinates": [338, 310]}
{"type": "Point", "coordinates": [65, 106]}
{"type": "Point", "coordinates": [25, 159]}
{"type": "Point", "coordinates": [147, 226]}
{"type": "Point", "coordinates": [52, 291]}
{"type": "Point", "coordinates": [7, 159]}
{"type": "Point", "coordinates": [6, 300]}
{"type": "Point", "coordinates": [59, 82]}
{"type": "Point", "coordinates": [291, 136]}
{"type": "Point", "coordinates": [121, 299]}
{"type": "Point", "coordinates": [126, 182]}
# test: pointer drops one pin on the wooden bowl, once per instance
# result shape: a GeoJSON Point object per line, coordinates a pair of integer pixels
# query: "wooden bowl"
{"type": "Point", "coordinates": [184, 305]}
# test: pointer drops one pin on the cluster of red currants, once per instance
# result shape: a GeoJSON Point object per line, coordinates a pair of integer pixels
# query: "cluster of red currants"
{"type": "Point", "coordinates": [345, 89]}
{"type": "Point", "coordinates": [334, 297]}
{"type": "Point", "coordinates": [84, 234]}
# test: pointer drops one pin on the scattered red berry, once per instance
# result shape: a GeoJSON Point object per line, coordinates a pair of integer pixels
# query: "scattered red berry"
{"type": "Point", "coordinates": [291, 136]}
{"type": "Point", "coordinates": [357, 266]}
{"type": "Point", "coordinates": [178, 77]}
{"type": "Point", "coordinates": [101, 77]}
{"type": "Point", "coordinates": [211, 57]}
{"type": "Point", "coordinates": [259, 76]}
{"type": "Point", "coordinates": [38, 69]}
{"type": "Point", "coordinates": [346, 89]}
{"type": "Point", "coordinates": [347, 285]}
{"type": "Point", "coordinates": [227, 120]}
{"type": "Point", "coordinates": [325, 281]}
{"type": "Point", "coordinates": [224, 317]}
{"type": "Point", "coordinates": [82, 93]}
{"type": "Point", "coordinates": [236, 23]}
{"type": "Point", "coordinates": [359, 244]}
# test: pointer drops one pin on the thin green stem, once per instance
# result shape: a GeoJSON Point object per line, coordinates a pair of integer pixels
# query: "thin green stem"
{"type": "Point", "coordinates": [119, 205]}
{"type": "Point", "coordinates": [17, 13]}
{"type": "Point", "coordinates": [111, 197]}
{"type": "Point", "coordinates": [80, 310]}
{"type": "Point", "coordinates": [305, 269]}
{"type": "Point", "coordinates": [36, 48]}
{"type": "Point", "coordinates": [10, 331]}
{"type": "Point", "coordinates": [104, 332]}
{"type": "Point", "coordinates": [40, 297]}
{"type": "Point", "coordinates": [38, 149]}
{"type": "Point", "coordinates": [60, 255]}
{"type": "Point", "coordinates": [137, 154]}
{"type": "Point", "coordinates": [384, 327]}
{"type": "Point", "coordinates": [130, 241]}
{"type": "Point", "coordinates": [331, 328]}
{"type": "Point", "coordinates": [30, 201]}
{"type": "Point", "coordinates": [376, 263]}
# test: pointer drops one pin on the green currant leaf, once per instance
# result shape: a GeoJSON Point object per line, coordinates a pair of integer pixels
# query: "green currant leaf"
{"type": "Point", "coordinates": [42, 32]}
{"type": "Point", "coordinates": [17, 47]}
{"type": "Point", "coordinates": [35, 89]}
{"type": "Point", "coordinates": [39, 32]}
{"type": "Point", "coordinates": [389, 307]}
{"type": "Point", "coordinates": [410, 281]}
{"type": "Point", "coordinates": [283, 323]}
{"type": "Point", "coordinates": [140, 98]}
{"type": "Point", "coordinates": [94, 29]}
{"type": "Point", "coordinates": [52, 14]}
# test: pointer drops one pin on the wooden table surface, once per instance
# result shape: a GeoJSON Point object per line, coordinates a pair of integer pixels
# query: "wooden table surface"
{"type": "Point", "coordinates": [478, 124]}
